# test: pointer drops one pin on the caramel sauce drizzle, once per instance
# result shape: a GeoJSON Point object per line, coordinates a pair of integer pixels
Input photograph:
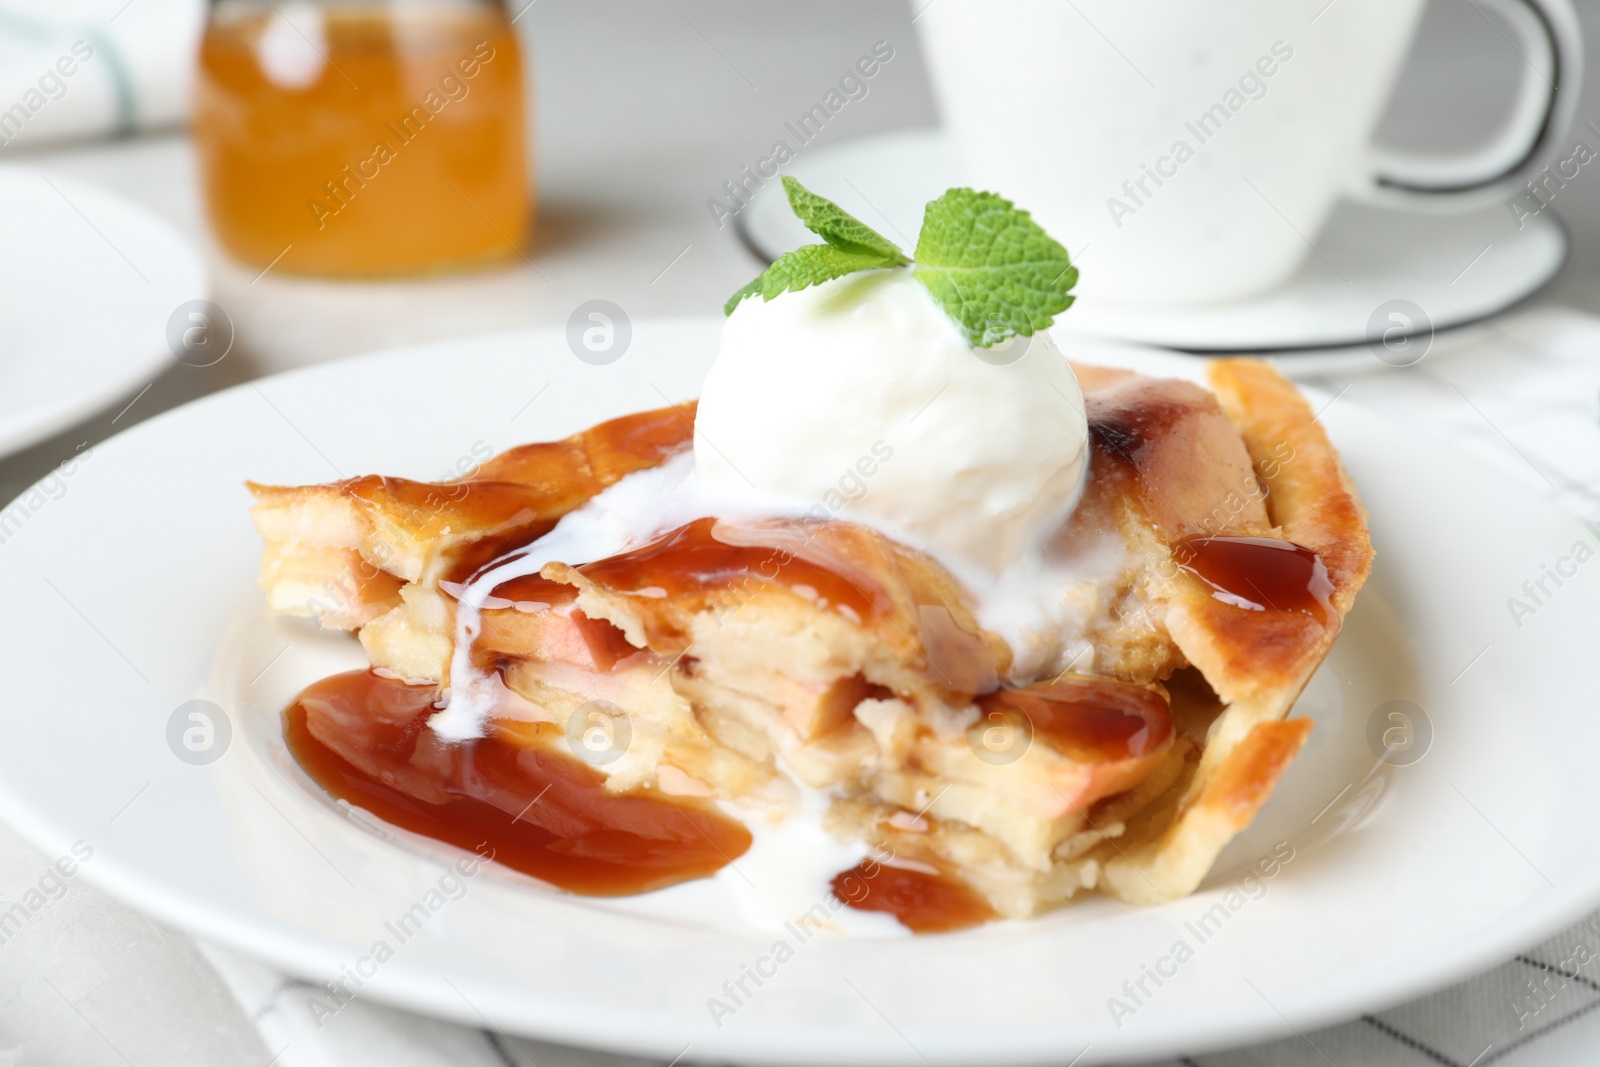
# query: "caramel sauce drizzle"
{"type": "Point", "coordinates": [514, 795]}
{"type": "Point", "coordinates": [1260, 573]}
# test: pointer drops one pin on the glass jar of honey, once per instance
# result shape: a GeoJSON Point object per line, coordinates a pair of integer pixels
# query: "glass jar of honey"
{"type": "Point", "coordinates": [362, 138]}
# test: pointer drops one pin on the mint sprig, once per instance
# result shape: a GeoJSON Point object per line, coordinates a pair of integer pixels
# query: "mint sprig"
{"type": "Point", "coordinates": [993, 269]}
{"type": "Point", "coordinates": [851, 246]}
{"type": "Point", "coordinates": [838, 227]}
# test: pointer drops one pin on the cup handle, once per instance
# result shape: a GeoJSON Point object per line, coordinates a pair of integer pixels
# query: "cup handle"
{"type": "Point", "coordinates": [1551, 43]}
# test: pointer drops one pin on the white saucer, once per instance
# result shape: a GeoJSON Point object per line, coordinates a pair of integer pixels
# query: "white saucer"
{"type": "Point", "coordinates": [1457, 268]}
{"type": "Point", "coordinates": [88, 283]}
{"type": "Point", "coordinates": [1403, 878]}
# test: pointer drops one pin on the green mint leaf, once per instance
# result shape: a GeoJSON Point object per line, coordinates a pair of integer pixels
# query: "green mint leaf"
{"type": "Point", "coordinates": [838, 227]}
{"type": "Point", "coordinates": [751, 289]}
{"type": "Point", "coordinates": [852, 246]}
{"type": "Point", "coordinates": [812, 265]}
{"type": "Point", "coordinates": [995, 271]}
{"type": "Point", "coordinates": [804, 267]}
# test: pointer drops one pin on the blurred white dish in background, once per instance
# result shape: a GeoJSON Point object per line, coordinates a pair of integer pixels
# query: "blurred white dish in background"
{"type": "Point", "coordinates": [1435, 271]}
{"type": "Point", "coordinates": [89, 282]}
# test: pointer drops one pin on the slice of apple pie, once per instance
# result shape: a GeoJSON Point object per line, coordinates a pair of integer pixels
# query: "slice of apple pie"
{"type": "Point", "coordinates": [767, 667]}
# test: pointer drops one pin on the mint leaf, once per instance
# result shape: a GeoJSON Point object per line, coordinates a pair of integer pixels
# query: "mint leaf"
{"type": "Point", "coordinates": [995, 271]}
{"type": "Point", "coordinates": [751, 289]}
{"type": "Point", "coordinates": [989, 265]}
{"type": "Point", "coordinates": [838, 227]}
{"type": "Point", "coordinates": [811, 265]}
{"type": "Point", "coordinates": [804, 267]}
{"type": "Point", "coordinates": [852, 246]}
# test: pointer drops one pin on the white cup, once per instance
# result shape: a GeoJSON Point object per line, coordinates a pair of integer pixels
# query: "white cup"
{"type": "Point", "coordinates": [1190, 150]}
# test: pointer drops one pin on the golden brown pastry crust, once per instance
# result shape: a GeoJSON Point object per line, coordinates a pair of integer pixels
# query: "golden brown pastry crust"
{"type": "Point", "coordinates": [1257, 662]}
{"type": "Point", "coordinates": [412, 530]}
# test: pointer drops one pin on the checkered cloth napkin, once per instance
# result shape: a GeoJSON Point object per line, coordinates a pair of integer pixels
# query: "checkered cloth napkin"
{"type": "Point", "coordinates": [1520, 394]}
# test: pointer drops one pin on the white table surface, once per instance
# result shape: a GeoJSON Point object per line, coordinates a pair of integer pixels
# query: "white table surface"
{"type": "Point", "coordinates": [642, 112]}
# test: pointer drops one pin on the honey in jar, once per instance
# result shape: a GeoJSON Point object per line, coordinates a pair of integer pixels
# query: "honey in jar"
{"type": "Point", "coordinates": [360, 139]}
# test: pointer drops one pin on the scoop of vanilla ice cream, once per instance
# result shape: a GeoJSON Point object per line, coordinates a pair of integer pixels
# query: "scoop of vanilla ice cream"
{"type": "Point", "coordinates": [862, 394]}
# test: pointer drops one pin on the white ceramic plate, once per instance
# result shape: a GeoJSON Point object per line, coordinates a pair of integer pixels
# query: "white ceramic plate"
{"type": "Point", "coordinates": [89, 281]}
{"type": "Point", "coordinates": [1452, 269]}
{"type": "Point", "coordinates": [133, 593]}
